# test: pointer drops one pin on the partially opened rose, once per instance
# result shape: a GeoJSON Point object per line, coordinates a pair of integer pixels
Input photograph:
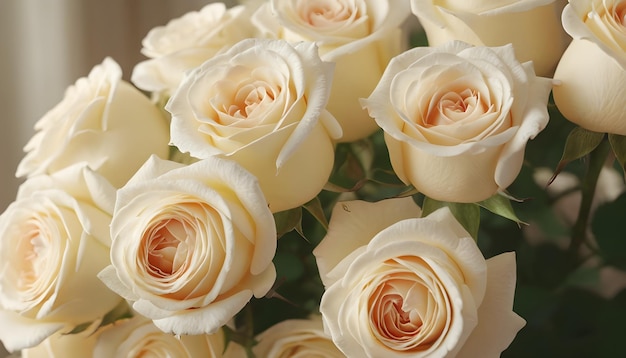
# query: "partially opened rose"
{"type": "Point", "coordinates": [262, 104]}
{"type": "Point", "coordinates": [191, 244]}
{"type": "Point", "coordinates": [532, 26]}
{"type": "Point", "coordinates": [296, 338]}
{"type": "Point", "coordinates": [590, 80]}
{"type": "Point", "coordinates": [359, 36]}
{"type": "Point", "coordinates": [102, 121]}
{"type": "Point", "coordinates": [54, 239]}
{"type": "Point", "coordinates": [186, 42]}
{"type": "Point", "coordinates": [138, 337]}
{"type": "Point", "coordinates": [457, 118]}
{"type": "Point", "coordinates": [419, 287]}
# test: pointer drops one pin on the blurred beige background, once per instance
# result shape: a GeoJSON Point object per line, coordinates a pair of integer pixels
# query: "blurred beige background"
{"type": "Point", "coordinates": [45, 45]}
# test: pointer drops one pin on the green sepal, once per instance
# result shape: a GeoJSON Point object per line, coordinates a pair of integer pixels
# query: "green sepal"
{"type": "Point", "coordinates": [501, 205]}
{"type": "Point", "coordinates": [314, 207]}
{"type": "Point", "coordinates": [618, 145]}
{"type": "Point", "coordinates": [467, 214]}
{"type": "Point", "coordinates": [579, 143]}
{"type": "Point", "coordinates": [121, 311]}
{"type": "Point", "coordinates": [287, 221]}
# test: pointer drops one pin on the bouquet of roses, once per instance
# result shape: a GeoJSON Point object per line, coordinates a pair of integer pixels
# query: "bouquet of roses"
{"type": "Point", "coordinates": [309, 178]}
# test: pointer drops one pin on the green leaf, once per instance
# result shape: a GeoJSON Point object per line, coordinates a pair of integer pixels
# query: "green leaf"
{"type": "Point", "coordinates": [288, 266]}
{"type": "Point", "coordinates": [467, 214]}
{"type": "Point", "coordinates": [314, 207]}
{"type": "Point", "coordinates": [618, 144]}
{"type": "Point", "coordinates": [287, 221]}
{"type": "Point", "coordinates": [501, 205]}
{"type": "Point", "coordinates": [579, 143]}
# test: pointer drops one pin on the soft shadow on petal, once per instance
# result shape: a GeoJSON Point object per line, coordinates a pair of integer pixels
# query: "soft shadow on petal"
{"type": "Point", "coordinates": [206, 320]}
{"type": "Point", "coordinates": [497, 323]}
{"type": "Point", "coordinates": [354, 224]}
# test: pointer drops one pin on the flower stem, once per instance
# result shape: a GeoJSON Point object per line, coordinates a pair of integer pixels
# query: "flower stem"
{"type": "Point", "coordinates": [597, 158]}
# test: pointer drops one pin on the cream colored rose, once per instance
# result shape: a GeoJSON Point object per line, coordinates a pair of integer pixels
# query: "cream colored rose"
{"type": "Point", "coordinates": [457, 118]}
{"type": "Point", "coordinates": [359, 36]}
{"type": "Point", "coordinates": [296, 338]}
{"type": "Point", "coordinates": [138, 337]}
{"type": "Point", "coordinates": [532, 26]}
{"type": "Point", "coordinates": [590, 80]}
{"type": "Point", "coordinates": [188, 41]}
{"type": "Point", "coordinates": [191, 244]}
{"type": "Point", "coordinates": [419, 287]}
{"type": "Point", "coordinates": [262, 104]}
{"type": "Point", "coordinates": [102, 121]}
{"type": "Point", "coordinates": [54, 239]}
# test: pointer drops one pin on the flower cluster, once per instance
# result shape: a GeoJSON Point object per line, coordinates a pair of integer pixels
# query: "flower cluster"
{"type": "Point", "coordinates": [150, 225]}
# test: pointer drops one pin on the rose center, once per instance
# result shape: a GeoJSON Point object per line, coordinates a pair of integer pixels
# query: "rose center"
{"type": "Point", "coordinates": [620, 13]}
{"type": "Point", "coordinates": [250, 98]}
{"type": "Point", "coordinates": [319, 14]}
{"type": "Point", "coordinates": [168, 248]}
{"type": "Point", "coordinates": [453, 107]}
{"type": "Point", "coordinates": [35, 250]}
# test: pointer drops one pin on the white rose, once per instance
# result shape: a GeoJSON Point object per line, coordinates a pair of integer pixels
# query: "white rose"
{"type": "Point", "coordinates": [102, 121]}
{"type": "Point", "coordinates": [359, 36]}
{"type": "Point", "coordinates": [54, 240]}
{"type": "Point", "coordinates": [262, 104]}
{"type": "Point", "coordinates": [420, 287]}
{"type": "Point", "coordinates": [296, 338]}
{"type": "Point", "coordinates": [139, 337]}
{"type": "Point", "coordinates": [457, 118]}
{"type": "Point", "coordinates": [186, 42]}
{"type": "Point", "coordinates": [532, 26]}
{"type": "Point", "coordinates": [191, 244]}
{"type": "Point", "coordinates": [591, 76]}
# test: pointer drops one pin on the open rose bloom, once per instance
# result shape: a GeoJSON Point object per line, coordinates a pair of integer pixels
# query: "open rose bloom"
{"type": "Point", "coordinates": [103, 121]}
{"type": "Point", "coordinates": [457, 118]}
{"type": "Point", "coordinates": [262, 104]}
{"type": "Point", "coordinates": [191, 244]}
{"type": "Point", "coordinates": [419, 287]}
{"type": "Point", "coordinates": [54, 239]}
{"type": "Point", "coordinates": [186, 42]}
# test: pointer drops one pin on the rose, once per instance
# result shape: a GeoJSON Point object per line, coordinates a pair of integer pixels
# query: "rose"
{"type": "Point", "coordinates": [138, 337]}
{"type": "Point", "coordinates": [186, 42]}
{"type": "Point", "coordinates": [296, 337]}
{"type": "Point", "coordinates": [102, 121]}
{"type": "Point", "coordinates": [54, 240]}
{"type": "Point", "coordinates": [420, 287]}
{"type": "Point", "coordinates": [591, 76]}
{"type": "Point", "coordinates": [360, 37]}
{"type": "Point", "coordinates": [191, 244]}
{"type": "Point", "coordinates": [532, 26]}
{"type": "Point", "coordinates": [457, 118]}
{"type": "Point", "coordinates": [261, 104]}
